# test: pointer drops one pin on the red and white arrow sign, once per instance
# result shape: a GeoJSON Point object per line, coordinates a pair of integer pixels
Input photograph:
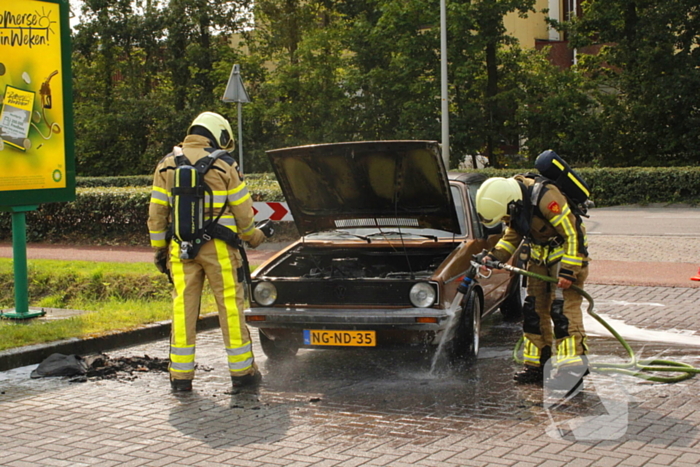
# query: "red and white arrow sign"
{"type": "Point", "coordinates": [272, 210]}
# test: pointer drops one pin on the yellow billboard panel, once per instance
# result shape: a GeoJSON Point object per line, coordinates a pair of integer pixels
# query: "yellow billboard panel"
{"type": "Point", "coordinates": [32, 127]}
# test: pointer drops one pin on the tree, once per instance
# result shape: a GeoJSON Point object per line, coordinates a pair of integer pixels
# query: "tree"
{"type": "Point", "coordinates": [114, 56]}
{"type": "Point", "coordinates": [142, 72]}
{"type": "Point", "coordinates": [393, 84]}
{"type": "Point", "coordinates": [648, 73]}
{"type": "Point", "coordinates": [556, 108]}
{"type": "Point", "coordinates": [298, 69]}
{"type": "Point", "coordinates": [476, 35]}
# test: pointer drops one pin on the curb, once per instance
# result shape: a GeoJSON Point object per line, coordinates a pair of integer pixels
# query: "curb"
{"type": "Point", "coordinates": [34, 354]}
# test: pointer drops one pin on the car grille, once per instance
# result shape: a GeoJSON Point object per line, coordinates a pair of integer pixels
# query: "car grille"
{"type": "Point", "coordinates": [345, 292]}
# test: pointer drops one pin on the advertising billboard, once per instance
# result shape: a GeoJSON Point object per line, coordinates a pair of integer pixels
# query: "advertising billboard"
{"type": "Point", "coordinates": [36, 124]}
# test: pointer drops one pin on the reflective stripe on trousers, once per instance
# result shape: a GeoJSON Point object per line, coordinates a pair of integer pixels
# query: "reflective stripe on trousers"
{"type": "Point", "coordinates": [560, 317]}
{"type": "Point", "coordinates": [219, 263]}
{"type": "Point", "coordinates": [567, 352]}
{"type": "Point", "coordinates": [182, 359]}
{"type": "Point", "coordinates": [531, 354]}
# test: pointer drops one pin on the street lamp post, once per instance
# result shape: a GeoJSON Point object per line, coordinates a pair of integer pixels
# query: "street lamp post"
{"type": "Point", "coordinates": [445, 108]}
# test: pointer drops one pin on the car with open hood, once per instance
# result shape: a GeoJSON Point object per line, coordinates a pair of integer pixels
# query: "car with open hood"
{"type": "Point", "coordinates": [386, 237]}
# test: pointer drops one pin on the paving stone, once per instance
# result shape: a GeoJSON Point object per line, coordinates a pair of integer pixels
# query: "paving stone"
{"type": "Point", "coordinates": [376, 409]}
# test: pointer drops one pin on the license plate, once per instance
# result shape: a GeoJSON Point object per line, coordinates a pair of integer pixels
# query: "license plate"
{"type": "Point", "coordinates": [344, 338]}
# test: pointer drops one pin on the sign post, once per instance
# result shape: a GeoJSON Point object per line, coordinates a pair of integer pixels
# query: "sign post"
{"type": "Point", "coordinates": [19, 256]}
{"type": "Point", "coordinates": [36, 122]}
{"type": "Point", "coordinates": [235, 92]}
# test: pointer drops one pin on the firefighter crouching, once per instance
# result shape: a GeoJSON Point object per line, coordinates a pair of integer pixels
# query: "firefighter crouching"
{"type": "Point", "coordinates": [228, 211]}
{"type": "Point", "coordinates": [538, 213]}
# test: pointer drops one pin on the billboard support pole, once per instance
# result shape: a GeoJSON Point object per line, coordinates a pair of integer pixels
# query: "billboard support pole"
{"type": "Point", "coordinates": [19, 255]}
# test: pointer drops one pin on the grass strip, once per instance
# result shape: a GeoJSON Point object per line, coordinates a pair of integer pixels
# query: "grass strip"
{"type": "Point", "coordinates": [115, 296]}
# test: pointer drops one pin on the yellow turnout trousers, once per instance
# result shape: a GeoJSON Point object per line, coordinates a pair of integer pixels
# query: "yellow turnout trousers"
{"type": "Point", "coordinates": [553, 316]}
{"type": "Point", "coordinates": [219, 263]}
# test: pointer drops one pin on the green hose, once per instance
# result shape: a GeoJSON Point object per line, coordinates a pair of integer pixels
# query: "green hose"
{"type": "Point", "coordinates": [638, 368]}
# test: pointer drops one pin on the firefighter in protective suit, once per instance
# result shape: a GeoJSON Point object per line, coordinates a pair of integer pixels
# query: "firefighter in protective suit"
{"type": "Point", "coordinates": [556, 240]}
{"type": "Point", "coordinates": [220, 262]}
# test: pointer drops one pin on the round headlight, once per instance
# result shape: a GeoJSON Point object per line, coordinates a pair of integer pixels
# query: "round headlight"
{"type": "Point", "coordinates": [265, 293]}
{"type": "Point", "coordinates": [422, 295]}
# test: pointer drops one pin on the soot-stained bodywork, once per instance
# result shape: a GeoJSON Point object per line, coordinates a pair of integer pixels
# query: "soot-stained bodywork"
{"type": "Point", "coordinates": [386, 235]}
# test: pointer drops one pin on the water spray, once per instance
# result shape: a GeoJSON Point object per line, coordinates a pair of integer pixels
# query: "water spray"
{"type": "Point", "coordinates": [455, 309]}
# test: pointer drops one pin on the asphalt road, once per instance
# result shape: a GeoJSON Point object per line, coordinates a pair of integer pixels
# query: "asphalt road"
{"type": "Point", "coordinates": [646, 221]}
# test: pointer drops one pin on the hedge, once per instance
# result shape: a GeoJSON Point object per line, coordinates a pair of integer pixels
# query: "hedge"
{"type": "Point", "coordinates": [634, 185]}
{"type": "Point", "coordinates": [107, 211]}
{"type": "Point", "coordinates": [253, 180]}
{"type": "Point", "coordinates": [110, 214]}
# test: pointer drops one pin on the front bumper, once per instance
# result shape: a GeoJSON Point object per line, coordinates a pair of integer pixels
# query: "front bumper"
{"type": "Point", "coordinates": [339, 318]}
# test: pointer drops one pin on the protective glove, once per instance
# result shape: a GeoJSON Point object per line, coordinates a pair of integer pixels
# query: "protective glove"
{"type": "Point", "coordinates": [257, 238]}
{"type": "Point", "coordinates": [566, 278]}
{"type": "Point", "coordinates": [484, 269]}
{"type": "Point", "coordinates": [267, 227]}
{"type": "Point", "coordinates": [160, 259]}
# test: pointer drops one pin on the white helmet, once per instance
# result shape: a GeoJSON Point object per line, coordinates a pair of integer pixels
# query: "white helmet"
{"type": "Point", "coordinates": [494, 197]}
{"type": "Point", "coordinates": [217, 125]}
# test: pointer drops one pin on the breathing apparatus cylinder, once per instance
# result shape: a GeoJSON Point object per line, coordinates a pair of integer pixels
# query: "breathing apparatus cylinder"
{"type": "Point", "coordinates": [553, 167]}
{"type": "Point", "coordinates": [188, 204]}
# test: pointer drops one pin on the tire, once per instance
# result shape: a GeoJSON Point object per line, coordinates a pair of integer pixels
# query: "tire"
{"type": "Point", "coordinates": [465, 344]}
{"type": "Point", "coordinates": [277, 349]}
{"type": "Point", "coordinates": [512, 307]}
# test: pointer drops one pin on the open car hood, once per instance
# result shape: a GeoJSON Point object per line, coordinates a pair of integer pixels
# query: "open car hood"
{"type": "Point", "coordinates": [387, 184]}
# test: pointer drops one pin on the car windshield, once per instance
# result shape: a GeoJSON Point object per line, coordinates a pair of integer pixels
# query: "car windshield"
{"type": "Point", "coordinates": [375, 233]}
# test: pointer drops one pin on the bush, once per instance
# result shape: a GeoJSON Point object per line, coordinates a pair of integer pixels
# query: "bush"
{"type": "Point", "coordinates": [112, 215]}
{"type": "Point", "coordinates": [125, 181]}
{"type": "Point", "coordinates": [634, 185]}
{"type": "Point", "coordinates": [110, 210]}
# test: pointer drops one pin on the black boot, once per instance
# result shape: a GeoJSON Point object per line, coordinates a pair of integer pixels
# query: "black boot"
{"type": "Point", "coordinates": [181, 385]}
{"type": "Point", "coordinates": [246, 380]}
{"type": "Point", "coordinates": [530, 375]}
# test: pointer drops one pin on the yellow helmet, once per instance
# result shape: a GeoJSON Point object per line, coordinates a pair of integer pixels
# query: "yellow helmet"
{"type": "Point", "coordinates": [493, 198]}
{"type": "Point", "coordinates": [217, 125]}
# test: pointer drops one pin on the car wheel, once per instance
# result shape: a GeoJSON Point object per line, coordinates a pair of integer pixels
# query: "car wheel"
{"type": "Point", "coordinates": [465, 345]}
{"type": "Point", "coordinates": [278, 349]}
{"type": "Point", "coordinates": [512, 307]}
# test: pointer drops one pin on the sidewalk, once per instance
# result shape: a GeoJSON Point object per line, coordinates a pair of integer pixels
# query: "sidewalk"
{"type": "Point", "coordinates": [352, 407]}
{"type": "Point", "coordinates": [116, 254]}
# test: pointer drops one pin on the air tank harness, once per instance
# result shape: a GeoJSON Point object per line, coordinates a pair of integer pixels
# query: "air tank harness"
{"type": "Point", "coordinates": [639, 368]}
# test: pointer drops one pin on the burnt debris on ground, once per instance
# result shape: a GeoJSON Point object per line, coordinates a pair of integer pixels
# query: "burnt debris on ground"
{"type": "Point", "coordinates": [96, 367]}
